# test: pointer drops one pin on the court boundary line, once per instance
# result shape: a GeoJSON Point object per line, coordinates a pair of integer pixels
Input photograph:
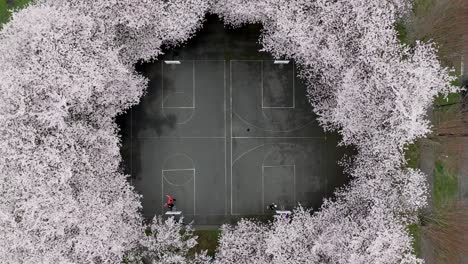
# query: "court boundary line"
{"type": "Point", "coordinates": [163, 177]}
{"type": "Point", "coordinates": [231, 114]}
{"type": "Point", "coordinates": [178, 154]}
{"type": "Point", "coordinates": [193, 84]}
{"type": "Point", "coordinates": [240, 137]}
{"type": "Point", "coordinates": [131, 146]}
{"type": "Point", "coordinates": [280, 165]}
{"type": "Point", "coordinates": [293, 91]}
{"type": "Point", "coordinates": [193, 89]}
{"type": "Point", "coordinates": [278, 107]}
{"type": "Point", "coordinates": [178, 107]}
{"type": "Point", "coordinates": [192, 114]}
{"type": "Point", "coordinates": [282, 137]}
{"type": "Point", "coordinates": [189, 169]}
{"type": "Point", "coordinates": [193, 108]}
{"type": "Point", "coordinates": [263, 182]}
{"type": "Point", "coordinates": [180, 137]}
{"type": "Point", "coordinates": [248, 151]}
{"type": "Point", "coordinates": [225, 141]}
{"type": "Point", "coordinates": [191, 117]}
{"type": "Point", "coordinates": [162, 86]}
{"type": "Point", "coordinates": [271, 130]}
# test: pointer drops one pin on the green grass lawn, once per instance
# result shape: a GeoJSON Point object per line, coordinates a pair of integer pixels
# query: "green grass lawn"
{"type": "Point", "coordinates": [445, 183]}
{"type": "Point", "coordinates": [207, 240]}
{"type": "Point", "coordinates": [412, 155]}
{"type": "Point", "coordinates": [420, 7]}
{"type": "Point", "coordinates": [415, 232]}
{"type": "Point", "coordinates": [412, 161]}
{"type": "Point", "coordinates": [445, 188]}
{"type": "Point", "coordinates": [6, 5]}
{"type": "Point", "coordinates": [450, 99]}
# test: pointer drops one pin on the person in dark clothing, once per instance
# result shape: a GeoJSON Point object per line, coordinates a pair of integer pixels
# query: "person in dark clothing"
{"type": "Point", "coordinates": [272, 207]}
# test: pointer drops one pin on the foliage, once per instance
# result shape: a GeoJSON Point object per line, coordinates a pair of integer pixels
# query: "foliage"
{"type": "Point", "coordinates": [450, 99]}
{"type": "Point", "coordinates": [447, 229]}
{"type": "Point", "coordinates": [206, 240]}
{"type": "Point", "coordinates": [59, 169]}
{"type": "Point", "coordinates": [402, 32]}
{"type": "Point", "coordinates": [7, 6]}
{"type": "Point", "coordinates": [441, 21]}
{"type": "Point", "coordinates": [65, 76]}
{"type": "Point", "coordinates": [166, 241]}
{"type": "Point", "coordinates": [66, 71]}
{"type": "Point", "coordinates": [415, 231]}
{"type": "Point", "coordinates": [444, 195]}
{"type": "Point", "coordinates": [375, 91]}
{"type": "Point", "coordinates": [445, 186]}
{"type": "Point", "coordinates": [243, 243]}
{"type": "Point", "coordinates": [437, 20]}
{"type": "Point", "coordinates": [412, 157]}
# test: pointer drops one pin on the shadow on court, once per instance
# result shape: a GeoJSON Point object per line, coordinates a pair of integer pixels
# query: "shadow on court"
{"type": "Point", "coordinates": [226, 131]}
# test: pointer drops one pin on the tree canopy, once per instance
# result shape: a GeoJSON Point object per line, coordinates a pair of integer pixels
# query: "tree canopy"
{"type": "Point", "coordinates": [66, 71]}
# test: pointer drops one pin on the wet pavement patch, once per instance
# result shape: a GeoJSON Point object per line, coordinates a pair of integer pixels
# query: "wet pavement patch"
{"type": "Point", "coordinates": [226, 131]}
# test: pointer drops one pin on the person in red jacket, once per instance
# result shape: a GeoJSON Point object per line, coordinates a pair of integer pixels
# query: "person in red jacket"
{"type": "Point", "coordinates": [170, 202]}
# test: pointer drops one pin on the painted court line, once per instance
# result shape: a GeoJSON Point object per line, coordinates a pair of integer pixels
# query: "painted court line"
{"type": "Point", "coordinates": [193, 82]}
{"type": "Point", "coordinates": [272, 130]}
{"type": "Point", "coordinates": [294, 85]}
{"type": "Point", "coordinates": [193, 87]}
{"type": "Point", "coordinates": [131, 146]}
{"type": "Point", "coordinates": [263, 190]}
{"type": "Point", "coordinates": [192, 169]}
{"type": "Point", "coordinates": [278, 166]}
{"type": "Point", "coordinates": [263, 182]}
{"type": "Point", "coordinates": [230, 112]}
{"type": "Point", "coordinates": [262, 86]}
{"type": "Point", "coordinates": [181, 137]}
{"type": "Point", "coordinates": [278, 107]}
{"type": "Point", "coordinates": [194, 192]}
{"type": "Point", "coordinates": [293, 94]}
{"type": "Point", "coordinates": [248, 151]}
{"type": "Point", "coordinates": [294, 186]}
{"type": "Point", "coordinates": [261, 81]}
{"type": "Point", "coordinates": [283, 137]}
{"type": "Point", "coordinates": [180, 107]}
{"type": "Point", "coordinates": [232, 137]}
{"type": "Point", "coordinates": [162, 85]}
{"type": "Point", "coordinates": [164, 178]}
{"type": "Point", "coordinates": [225, 141]}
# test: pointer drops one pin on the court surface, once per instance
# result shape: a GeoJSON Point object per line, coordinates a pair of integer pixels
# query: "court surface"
{"type": "Point", "coordinates": [226, 132]}
{"type": "Point", "coordinates": [227, 138]}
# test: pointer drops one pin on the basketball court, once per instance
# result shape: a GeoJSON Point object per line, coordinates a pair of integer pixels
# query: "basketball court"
{"type": "Point", "coordinates": [228, 138]}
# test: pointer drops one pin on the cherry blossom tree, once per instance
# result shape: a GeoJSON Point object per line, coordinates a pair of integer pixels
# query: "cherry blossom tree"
{"type": "Point", "coordinates": [243, 243]}
{"type": "Point", "coordinates": [62, 197]}
{"type": "Point", "coordinates": [375, 92]}
{"type": "Point", "coordinates": [64, 79]}
{"type": "Point", "coordinates": [140, 28]}
{"type": "Point", "coordinates": [67, 71]}
{"type": "Point", "coordinates": [166, 241]}
{"type": "Point", "coordinates": [308, 238]}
